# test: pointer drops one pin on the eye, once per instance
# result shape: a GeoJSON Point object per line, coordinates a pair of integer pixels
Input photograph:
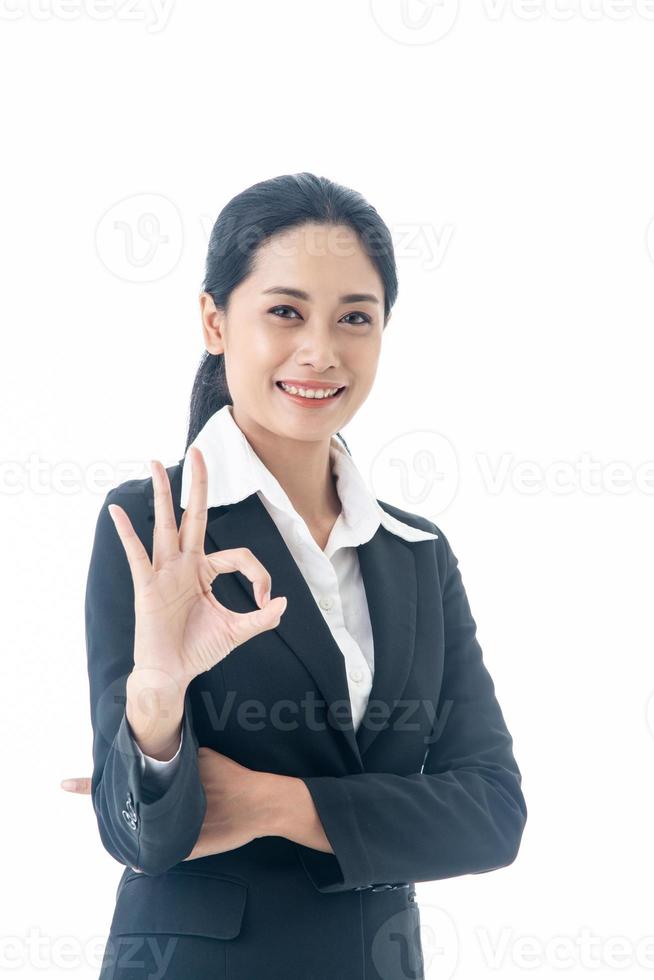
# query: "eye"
{"type": "Point", "coordinates": [366, 318]}
{"type": "Point", "coordinates": [275, 308]}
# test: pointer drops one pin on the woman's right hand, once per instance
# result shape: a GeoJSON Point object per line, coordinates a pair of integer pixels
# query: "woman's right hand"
{"type": "Point", "coordinates": [181, 630]}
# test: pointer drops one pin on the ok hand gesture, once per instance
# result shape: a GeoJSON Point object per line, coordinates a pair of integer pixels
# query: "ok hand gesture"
{"type": "Point", "coordinates": [181, 629]}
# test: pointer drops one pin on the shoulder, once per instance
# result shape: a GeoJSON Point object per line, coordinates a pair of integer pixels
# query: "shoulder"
{"type": "Point", "coordinates": [444, 554]}
{"type": "Point", "coordinates": [407, 517]}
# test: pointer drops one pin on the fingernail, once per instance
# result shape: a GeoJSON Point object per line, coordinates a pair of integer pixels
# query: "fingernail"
{"type": "Point", "coordinates": [266, 597]}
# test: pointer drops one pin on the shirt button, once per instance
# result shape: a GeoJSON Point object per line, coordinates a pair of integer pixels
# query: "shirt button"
{"type": "Point", "coordinates": [356, 674]}
{"type": "Point", "coordinates": [326, 602]}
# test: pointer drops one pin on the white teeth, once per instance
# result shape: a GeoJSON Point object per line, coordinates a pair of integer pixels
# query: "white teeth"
{"type": "Point", "coordinates": [309, 392]}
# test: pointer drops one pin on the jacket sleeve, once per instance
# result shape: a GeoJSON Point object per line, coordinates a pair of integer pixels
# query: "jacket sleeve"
{"type": "Point", "coordinates": [463, 813]}
{"type": "Point", "coordinates": [143, 824]}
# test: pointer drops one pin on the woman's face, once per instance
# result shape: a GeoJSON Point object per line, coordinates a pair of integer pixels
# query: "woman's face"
{"type": "Point", "coordinates": [331, 335]}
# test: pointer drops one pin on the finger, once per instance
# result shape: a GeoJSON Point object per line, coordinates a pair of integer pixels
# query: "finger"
{"type": "Point", "coordinates": [81, 785]}
{"type": "Point", "coordinates": [137, 556]}
{"type": "Point", "coordinates": [247, 625]}
{"type": "Point", "coordinates": [165, 543]}
{"type": "Point", "coordinates": [194, 520]}
{"type": "Point", "coordinates": [244, 561]}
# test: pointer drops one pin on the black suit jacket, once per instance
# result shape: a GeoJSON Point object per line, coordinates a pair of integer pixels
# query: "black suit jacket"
{"type": "Point", "coordinates": [427, 788]}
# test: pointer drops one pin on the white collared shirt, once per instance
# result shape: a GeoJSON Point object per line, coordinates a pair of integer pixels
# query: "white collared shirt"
{"type": "Point", "coordinates": [333, 575]}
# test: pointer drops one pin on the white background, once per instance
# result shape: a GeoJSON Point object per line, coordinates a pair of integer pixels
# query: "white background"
{"type": "Point", "coordinates": [510, 149]}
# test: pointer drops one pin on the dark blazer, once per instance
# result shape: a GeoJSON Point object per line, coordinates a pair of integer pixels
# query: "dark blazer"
{"type": "Point", "coordinates": [427, 788]}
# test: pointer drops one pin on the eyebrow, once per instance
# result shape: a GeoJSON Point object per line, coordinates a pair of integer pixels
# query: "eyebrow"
{"type": "Point", "coordinates": [300, 294]}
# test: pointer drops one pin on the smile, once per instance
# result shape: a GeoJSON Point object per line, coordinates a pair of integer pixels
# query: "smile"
{"type": "Point", "coordinates": [309, 396]}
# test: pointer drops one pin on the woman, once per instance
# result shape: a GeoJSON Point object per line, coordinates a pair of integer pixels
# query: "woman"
{"type": "Point", "coordinates": [292, 720]}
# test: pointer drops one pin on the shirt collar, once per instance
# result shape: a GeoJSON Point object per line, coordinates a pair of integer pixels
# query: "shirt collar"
{"type": "Point", "coordinates": [235, 471]}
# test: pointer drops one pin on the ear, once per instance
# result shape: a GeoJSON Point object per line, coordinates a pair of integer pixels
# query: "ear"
{"type": "Point", "coordinates": [213, 321]}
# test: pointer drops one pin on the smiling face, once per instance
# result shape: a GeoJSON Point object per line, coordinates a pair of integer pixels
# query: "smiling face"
{"type": "Point", "coordinates": [312, 310]}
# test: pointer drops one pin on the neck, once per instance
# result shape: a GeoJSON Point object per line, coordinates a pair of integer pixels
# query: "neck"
{"type": "Point", "coordinates": [302, 468]}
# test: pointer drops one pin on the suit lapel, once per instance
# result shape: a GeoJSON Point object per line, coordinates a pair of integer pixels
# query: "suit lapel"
{"type": "Point", "coordinates": [388, 570]}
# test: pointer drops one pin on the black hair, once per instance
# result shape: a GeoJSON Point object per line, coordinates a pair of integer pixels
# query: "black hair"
{"type": "Point", "coordinates": [246, 222]}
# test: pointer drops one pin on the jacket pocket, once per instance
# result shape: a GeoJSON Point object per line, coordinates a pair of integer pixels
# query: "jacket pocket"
{"type": "Point", "coordinates": [180, 904]}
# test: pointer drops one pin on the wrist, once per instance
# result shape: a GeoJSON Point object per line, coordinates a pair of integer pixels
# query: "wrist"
{"type": "Point", "coordinates": [274, 797]}
{"type": "Point", "coordinates": [170, 685]}
{"type": "Point", "coordinates": [154, 714]}
{"type": "Point", "coordinates": [293, 814]}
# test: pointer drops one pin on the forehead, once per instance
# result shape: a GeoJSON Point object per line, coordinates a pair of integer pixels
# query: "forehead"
{"type": "Point", "coordinates": [316, 258]}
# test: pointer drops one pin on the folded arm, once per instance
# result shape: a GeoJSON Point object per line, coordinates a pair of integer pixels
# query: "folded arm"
{"type": "Point", "coordinates": [463, 813]}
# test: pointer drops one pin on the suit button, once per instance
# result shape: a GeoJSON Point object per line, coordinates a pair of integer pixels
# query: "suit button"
{"type": "Point", "coordinates": [381, 888]}
{"type": "Point", "coordinates": [129, 813]}
{"type": "Point", "coordinates": [132, 822]}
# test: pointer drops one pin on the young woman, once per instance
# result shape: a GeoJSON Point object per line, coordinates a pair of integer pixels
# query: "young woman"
{"type": "Point", "coordinates": [293, 723]}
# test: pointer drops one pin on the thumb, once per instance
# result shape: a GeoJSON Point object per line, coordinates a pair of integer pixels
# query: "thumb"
{"type": "Point", "coordinates": [273, 611]}
{"type": "Point", "coordinates": [81, 785]}
{"type": "Point", "coordinates": [268, 616]}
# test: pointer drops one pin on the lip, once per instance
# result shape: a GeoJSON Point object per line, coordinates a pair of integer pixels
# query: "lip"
{"type": "Point", "coordinates": [299, 383]}
{"type": "Point", "coordinates": [310, 402]}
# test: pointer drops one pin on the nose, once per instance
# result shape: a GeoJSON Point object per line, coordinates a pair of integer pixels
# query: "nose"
{"type": "Point", "coordinates": [318, 347]}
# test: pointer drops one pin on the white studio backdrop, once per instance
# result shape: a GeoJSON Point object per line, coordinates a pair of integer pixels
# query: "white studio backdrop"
{"type": "Point", "coordinates": [509, 148]}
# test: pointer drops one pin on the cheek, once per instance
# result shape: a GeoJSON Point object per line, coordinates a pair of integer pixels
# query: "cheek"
{"type": "Point", "coordinates": [363, 360]}
{"type": "Point", "coordinates": [265, 346]}
{"type": "Point", "coordinates": [254, 354]}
